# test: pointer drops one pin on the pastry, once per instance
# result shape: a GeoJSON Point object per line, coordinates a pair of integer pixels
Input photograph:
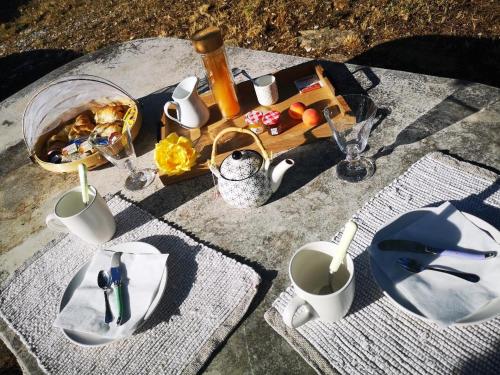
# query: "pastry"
{"type": "Point", "coordinates": [82, 127]}
{"type": "Point", "coordinates": [105, 130]}
{"type": "Point", "coordinates": [110, 113]}
{"type": "Point", "coordinates": [84, 119]}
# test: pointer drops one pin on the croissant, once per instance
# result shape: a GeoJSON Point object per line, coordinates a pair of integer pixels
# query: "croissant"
{"type": "Point", "coordinates": [105, 130]}
{"type": "Point", "coordinates": [84, 119]}
{"type": "Point", "coordinates": [82, 127]}
{"type": "Point", "coordinates": [109, 114]}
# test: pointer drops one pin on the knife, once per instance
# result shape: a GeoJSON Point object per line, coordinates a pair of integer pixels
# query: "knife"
{"type": "Point", "coordinates": [116, 278]}
{"type": "Point", "coordinates": [417, 247]}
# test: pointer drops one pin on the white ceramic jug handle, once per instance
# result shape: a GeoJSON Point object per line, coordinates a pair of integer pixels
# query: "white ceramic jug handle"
{"type": "Point", "coordinates": [55, 224]}
{"type": "Point", "coordinates": [293, 305]}
{"type": "Point", "coordinates": [167, 106]}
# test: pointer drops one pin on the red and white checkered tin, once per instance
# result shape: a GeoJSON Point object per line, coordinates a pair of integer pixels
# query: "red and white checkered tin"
{"type": "Point", "coordinates": [253, 117]}
{"type": "Point", "coordinates": [271, 118]}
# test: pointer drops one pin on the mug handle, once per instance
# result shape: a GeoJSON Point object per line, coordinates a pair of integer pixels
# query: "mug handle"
{"type": "Point", "coordinates": [55, 224]}
{"type": "Point", "coordinates": [293, 305]}
{"type": "Point", "coordinates": [167, 106]}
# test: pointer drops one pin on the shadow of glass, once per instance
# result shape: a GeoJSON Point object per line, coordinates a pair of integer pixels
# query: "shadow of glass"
{"type": "Point", "coordinates": [381, 115]}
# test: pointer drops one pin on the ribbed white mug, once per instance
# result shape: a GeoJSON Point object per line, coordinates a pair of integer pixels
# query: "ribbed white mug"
{"type": "Point", "coordinates": [266, 89]}
{"type": "Point", "coordinates": [93, 223]}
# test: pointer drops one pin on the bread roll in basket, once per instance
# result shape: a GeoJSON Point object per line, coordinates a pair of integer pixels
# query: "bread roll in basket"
{"type": "Point", "coordinates": [68, 109]}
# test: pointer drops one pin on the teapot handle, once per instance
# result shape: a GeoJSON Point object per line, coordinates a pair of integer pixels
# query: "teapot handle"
{"type": "Point", "coordinates": [238, 130]}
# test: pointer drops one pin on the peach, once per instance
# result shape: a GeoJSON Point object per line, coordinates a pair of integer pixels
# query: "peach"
{"type": "Point", "coordinates": [311, 117]}
{"type": "Point", "coordinates": [296, 110]}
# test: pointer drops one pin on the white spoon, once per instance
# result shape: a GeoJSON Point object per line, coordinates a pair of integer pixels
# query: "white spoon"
{"type": "Point", "coordinates": [350, 230]}
{"type": "Point", "coordinates": [82, 173]}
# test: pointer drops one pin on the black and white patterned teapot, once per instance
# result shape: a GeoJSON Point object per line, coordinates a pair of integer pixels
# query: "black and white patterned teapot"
{"type": "Point", "coordinates": [245, 177]}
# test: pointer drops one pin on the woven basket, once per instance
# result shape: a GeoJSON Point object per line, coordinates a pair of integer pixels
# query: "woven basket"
{"type": "Point", "coordinates": [61, 101]}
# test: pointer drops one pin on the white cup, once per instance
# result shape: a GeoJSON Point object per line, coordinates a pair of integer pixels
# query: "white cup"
{"type": "Point", "coordinates": [93, 223]}
{"type": "Point", "coordinates": [192, 112]}
{"type": "Point", "coordinates": [266, 89]}
{"type": "Point", "coordinates": [324, 297]}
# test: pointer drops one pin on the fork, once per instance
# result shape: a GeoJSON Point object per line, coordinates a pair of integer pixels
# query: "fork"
{"type": "Point", "coordinates": [411, 265]}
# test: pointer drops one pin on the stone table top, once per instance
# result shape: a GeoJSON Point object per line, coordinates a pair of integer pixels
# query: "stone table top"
{"type": "Point", "coordinates": [421, 114]}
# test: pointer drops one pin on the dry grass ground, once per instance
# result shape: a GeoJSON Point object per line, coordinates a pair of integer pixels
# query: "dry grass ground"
{"type": "Point", "coordinates": [347, 29]}
{"type": "Point", "coordinates": [87, 25]}
{"type": "Point", "coordinates": [461, 36]}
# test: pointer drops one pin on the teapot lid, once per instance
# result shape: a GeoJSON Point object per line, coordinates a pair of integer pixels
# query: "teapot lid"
{"type": "Point", "coordinates": [240, 164]}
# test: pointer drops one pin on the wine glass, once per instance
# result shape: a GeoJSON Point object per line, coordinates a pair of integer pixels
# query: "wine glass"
{"type": "Point", "coordinates": [119, 150]}
{"type": "Point", "coordinates": [351, 130]}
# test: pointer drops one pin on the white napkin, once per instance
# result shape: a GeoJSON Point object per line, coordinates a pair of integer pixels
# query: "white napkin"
{"type": "Point", "coordinates": [441, 297]}
{"type": "Point", "coordinates": [141, 275]}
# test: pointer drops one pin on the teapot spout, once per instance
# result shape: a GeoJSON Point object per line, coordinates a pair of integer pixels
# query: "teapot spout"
{"type": "Point", "coordinates": [278, 172]}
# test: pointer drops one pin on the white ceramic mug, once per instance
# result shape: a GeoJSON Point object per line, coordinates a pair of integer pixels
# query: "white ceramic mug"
{"type": "Point", "coordinates": [266, 89]}
{"type": "Point", "coordinates": [93, 223]}
{"type": "Point", "coordinates": [192, 112]}
{"type": "Point", "coordinates": [324, 297]}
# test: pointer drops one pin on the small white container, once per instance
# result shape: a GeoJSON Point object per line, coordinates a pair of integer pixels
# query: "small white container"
{"type": "Point", "coordinates": [266, 89]}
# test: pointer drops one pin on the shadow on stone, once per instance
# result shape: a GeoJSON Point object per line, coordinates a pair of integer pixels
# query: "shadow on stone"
{"type": "Point", "coordinates": [359, 81]}
{"type": "Point", "coordinates": [152, 108]}
{"type": "Point", "coordinates": [307, 165]}
{"type": "Point", "coordinates": [20, 69]}
{"type": "Point", "coordinates": [471, 59]}
{"type": "Point", "coordinates": [468, 99]}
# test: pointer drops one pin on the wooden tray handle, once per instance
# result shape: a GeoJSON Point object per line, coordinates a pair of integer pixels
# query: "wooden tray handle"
{"type": "Point", "coordinates": [237, 130]}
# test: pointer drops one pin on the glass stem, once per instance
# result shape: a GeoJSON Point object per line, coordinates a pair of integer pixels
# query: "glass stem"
{"type": "Point", "coordinates": [131, 169]}
{"type": "Point", "coordinates": [352, 156]}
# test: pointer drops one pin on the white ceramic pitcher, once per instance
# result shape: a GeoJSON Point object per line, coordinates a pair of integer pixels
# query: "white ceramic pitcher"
{"type": "Point", "coordinates": [191, 110]}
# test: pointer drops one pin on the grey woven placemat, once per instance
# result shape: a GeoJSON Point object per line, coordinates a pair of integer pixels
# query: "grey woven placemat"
{"type": "Point", "coordinates": [376, 337]}
{"type": "Point", "coordinates": [207, 294]}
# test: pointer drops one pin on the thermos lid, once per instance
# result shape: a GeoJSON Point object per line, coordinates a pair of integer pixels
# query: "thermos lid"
{"type": "Point", "coordinates": [207, 40]}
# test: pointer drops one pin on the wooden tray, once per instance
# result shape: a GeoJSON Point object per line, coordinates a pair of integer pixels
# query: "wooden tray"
{"type": "Point", "coordinates": [297, 133]}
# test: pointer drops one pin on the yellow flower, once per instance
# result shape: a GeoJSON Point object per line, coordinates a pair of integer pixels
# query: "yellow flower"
{"type": "Point", "coordinates": [174, 155]}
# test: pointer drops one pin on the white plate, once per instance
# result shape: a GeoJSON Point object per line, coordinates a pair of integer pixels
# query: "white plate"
{"type": "Point", "coordinates": [490, 311]}
{"type": "Point", "coordinates": [88, 339]}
